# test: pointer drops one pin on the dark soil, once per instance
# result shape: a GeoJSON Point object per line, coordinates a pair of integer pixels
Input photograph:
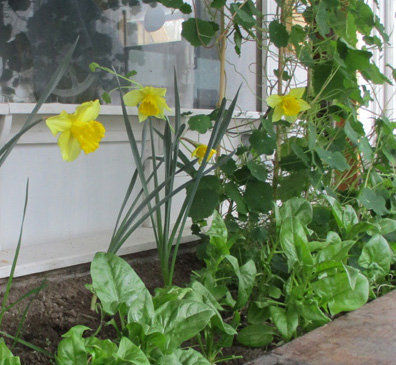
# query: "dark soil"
{"type": "Point", "coordinates": [65, 302]}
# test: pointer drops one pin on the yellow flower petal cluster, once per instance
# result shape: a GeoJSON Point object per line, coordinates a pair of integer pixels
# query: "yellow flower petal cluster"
{"type": "Point", "coordinates": [289, 105]}
{"type": "Point", "coordinates": [200, 151]}
{"type": "Point", "coordinates": [151, 102]}
{"type": "Point", "coordinates": [77, 131]}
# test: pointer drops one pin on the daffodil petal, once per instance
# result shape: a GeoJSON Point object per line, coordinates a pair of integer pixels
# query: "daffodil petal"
{"type": "Point", "coordinates": [278, 112]}
{"type": "Point", "coordinates": [69, 146]}
{"type": "Point", "coordinates": [87, 111]}
{"type": "Point", "coordinates": [274, 100]}
{"type": "Point", "coordinates": [162, 104]}
{"type": "Point", "coordinates": [303, 105]}
{"type": "Point", "coordinates": [291, 118]}
{"type": "Point", "coordinates": [59, 123]}
{"type": "Point", "coordinates": [134, 97]}
{"type": "Point", "coordinates": [297, 92]}
{"type": "Point", "coordinates": [156, 91]}
{"type": "Point", "coordinates": [142, 117]}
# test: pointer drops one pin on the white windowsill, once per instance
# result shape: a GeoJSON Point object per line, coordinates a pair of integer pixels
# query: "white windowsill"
{"type": "Point", "coordinates": [45, 257]}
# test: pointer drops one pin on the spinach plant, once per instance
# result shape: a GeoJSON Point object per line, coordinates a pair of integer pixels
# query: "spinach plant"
{"type": "Point", "coordinates": [150, 329]}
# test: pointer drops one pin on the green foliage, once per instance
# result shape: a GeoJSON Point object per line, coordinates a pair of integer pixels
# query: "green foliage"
{"type": "Point", "coordinates": [152, 328]}
{"type": "Point", "coordinates": [6, 356]}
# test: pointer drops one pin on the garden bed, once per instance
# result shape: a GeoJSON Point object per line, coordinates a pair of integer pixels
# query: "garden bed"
{"type": "Point", "coordinates": [65, 302]}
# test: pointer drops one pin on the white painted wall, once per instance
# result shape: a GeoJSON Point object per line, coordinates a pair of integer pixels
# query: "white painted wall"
{"type": "Point", "coordinates": [72, 206]}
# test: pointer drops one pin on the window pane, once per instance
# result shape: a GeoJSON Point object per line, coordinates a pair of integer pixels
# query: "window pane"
{"type": "Point", "coordinates": [124, 34]}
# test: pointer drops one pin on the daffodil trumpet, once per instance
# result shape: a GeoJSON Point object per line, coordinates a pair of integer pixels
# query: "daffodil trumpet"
{"type": "Point", "coordinates": [200, 150]}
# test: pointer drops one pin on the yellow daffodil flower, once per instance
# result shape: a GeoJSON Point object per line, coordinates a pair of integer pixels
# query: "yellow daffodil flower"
{"type": "Point", "coordinates": [200, 151]}
{"type": "Point", "coordinates": [78, 131]}
{"type": "Point", "coordinates": [151, 102]}
{"type": "Point", "coordinates": [289, 105]}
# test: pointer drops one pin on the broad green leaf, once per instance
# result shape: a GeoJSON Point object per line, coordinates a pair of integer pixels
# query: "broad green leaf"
{"type": "Point", "coordinates": [298, 208]}
{"type": "Point", "coordinates": [336, 210]}
{"type": "Point", "coordinates": [199, 32]}
{"type": "Point", "coordinates": [6, 356]}
{"type": "Point", "coordinates": [278, 34]}
{"type": "Point", "coordinates": [262, 142]}
{"type": "Point", "coordinates": [243, 15]}
{"type": "Point", "coordinates": [309, 310]}
{"type": "Point", "coordinates": [71, 350]}
{"type": "Point", "coordinates": [295, 184]}
{"type": "Point", "coordinates": [258, 196]}
{"type": "Point", "coordinates": [365, 147]}
{"type": "Point", "coordinates": [218, 234]}
{"type": "Point", "coordinates": [258, 170]}
{"type": "Point", "coordinates": [300, 153]}
{"type": "Point", "coordinates": [335, 251]}
{"type": "Point", "coordinates": [349, 218]}
{"type": "Point", "coordinates": [201, 293]}
{"type": "Point", "coordinates": [337, 294]}
{"type": "Point", "coordinates": [312, 135]}
{"type": "Point", "coordinates": [358, 60]}
{"type": "Point", "coordinates": [372, 199]}
{"type": "Point", "coordinates": [322, 19]}
{"type": "Point", "coordinates": [200, 123]}
{"type": "Point", "coordinates": [352, 274]}
{"type": "Point", "coordinates": [218, 3]}
{"type": "Point", "coordinates": [285, 321]}
{"type": "Point", "coordinates": [387, 226]}
{"type": "Point", "coordinates": [233, 193]}
{"type": "Point", "coordinates": [246, 275]}
{"type": "Point", "coordinates": [237, 39]}
{"type": "Point", "coordinates": [163, 295]}
{"type": "Point", "coordinates": [184, 7]}
{"type": "Point", "coordinates": [183, 357]}
{"type": "Point", "coordinates": [115, 282]}
{"type": "Point", "coordinates": [335, 160]}
{"type": "Point", "coordinates": [294, 243]}
{"type": "Point", "coordinates": [129, 353]}
{"type": "Point", "coordinates": [376, 257]}
{"type": "Point", "coordinates": [205, 202]}
{"type": "Point", "coordinates": [256, 335]}
{"type": "Point", "coordinates": [181, 320]}
{"type": "Point", "coordinates": [100, 351]}
{"type": "Point", "coordinates": [142, 310]}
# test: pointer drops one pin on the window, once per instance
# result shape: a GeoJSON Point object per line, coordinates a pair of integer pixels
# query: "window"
{"type": "Point", "coordinates": [125, 34]}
